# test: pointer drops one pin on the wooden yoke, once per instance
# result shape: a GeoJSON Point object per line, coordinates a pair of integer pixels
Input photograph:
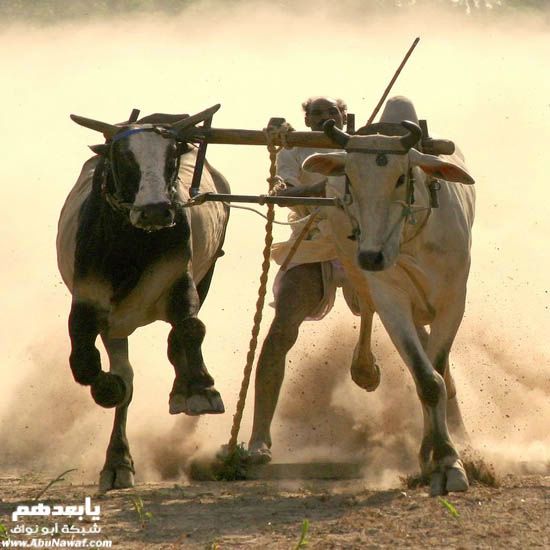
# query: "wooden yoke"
{"type": "Point", "coordinates": [199, 164]}
{"type": "Point", "coordinates": [231, 136]}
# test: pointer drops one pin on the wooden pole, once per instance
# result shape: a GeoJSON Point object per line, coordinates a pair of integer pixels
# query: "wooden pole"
{"type": "Point", "coordinates": [199, 163]}
{"type": "Point", "coordinates": [266, 199]}
{"type": "Point", "coordinates": [392, 81]}
{"type": "Point", "coordinates": [235, 136]}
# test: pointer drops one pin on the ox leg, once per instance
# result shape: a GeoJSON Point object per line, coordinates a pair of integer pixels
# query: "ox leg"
{"type": "Point", "coordinates": [442, 335]}
{"type": "Point", "coordinates": [118, 470]}
{"type": "Point", "coordinates": [193, 392]}
{"type": "Point", "coordinates": [85, 360]}
{"type": "Point", "coordinates": [454, 416]}
{"type": "Point", "coordinates": [364, 370]}
{"type": "Point", "coordinates": [108, 389]}
{"type": "Point", "coordinates": [445, 467]}
{"type": "Point", "coordinates": [300, 292]}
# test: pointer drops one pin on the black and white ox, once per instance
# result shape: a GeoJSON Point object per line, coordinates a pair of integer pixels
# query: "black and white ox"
{"type": "Point", "coordinates": [412, 275]}
{"type": "Point", "coordinates": [131, 254]}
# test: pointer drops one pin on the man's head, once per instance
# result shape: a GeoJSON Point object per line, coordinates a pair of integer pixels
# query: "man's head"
{"type": "Point", "coordinates": [320, 109]}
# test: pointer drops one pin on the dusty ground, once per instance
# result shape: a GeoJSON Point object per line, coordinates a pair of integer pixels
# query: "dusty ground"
{"type": "Point", "coordinates": [256, 514]}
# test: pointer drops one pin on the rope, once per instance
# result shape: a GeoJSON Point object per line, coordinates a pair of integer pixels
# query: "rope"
{"type": "Point", "coordinates": [237, 418]}
{"type": "Point", "coordinates": [295, 222]}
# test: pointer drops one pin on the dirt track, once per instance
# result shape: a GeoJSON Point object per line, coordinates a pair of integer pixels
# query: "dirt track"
{"type": "Point", "coordinates": [270, 514]}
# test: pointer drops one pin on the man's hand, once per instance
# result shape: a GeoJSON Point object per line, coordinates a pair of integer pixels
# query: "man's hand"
{"type": "Point", "coordinates": [313, 190]}
{"type": "Point", "coordinates": [278, 187]}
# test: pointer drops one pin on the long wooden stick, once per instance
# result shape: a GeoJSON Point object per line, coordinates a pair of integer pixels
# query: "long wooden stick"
{"type": "Point", "coordinates": [265, 199]}
{"type": "Point", "coordinates": [237, 136]}
{"type": "Point", "coordinates": [297, 242]}
{"type": "Point", "coordinates": [392, 81]}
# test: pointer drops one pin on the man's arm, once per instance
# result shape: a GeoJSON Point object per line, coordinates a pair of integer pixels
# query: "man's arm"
{"type": "Point", "coordinates": [289, 169]}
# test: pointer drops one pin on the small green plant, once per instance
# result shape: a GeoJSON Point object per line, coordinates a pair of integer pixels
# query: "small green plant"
{"type": "Point", "coordinates": [302, 543]}
{"type": "Point", "coordinates": [143, 516]}
{"type": "Point", "coordinates": [452, 510]}
{"type": "Point", "coordinates": [3, 531]}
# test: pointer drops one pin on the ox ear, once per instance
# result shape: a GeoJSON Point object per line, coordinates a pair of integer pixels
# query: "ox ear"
{"type": "Point", "coordinates": [328, 164]}
{"type": "Point", "coordinates": [450, 170]}
{"type": "Point", "coordinates": [100, 150]}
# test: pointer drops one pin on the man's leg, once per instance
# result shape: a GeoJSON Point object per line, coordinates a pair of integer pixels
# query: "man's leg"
{"type": "Point", "coordinates": [300, 293]}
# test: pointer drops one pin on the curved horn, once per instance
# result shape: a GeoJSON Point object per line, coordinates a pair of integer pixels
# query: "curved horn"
{"type": "Point", "coordinates": [414, 135]}
{"type": "Point", "coordinates": [108, 130]}
{"type": "Point", "coordinates": [335, 134]}
{"type": "Point", "coordinates": [195, 119]}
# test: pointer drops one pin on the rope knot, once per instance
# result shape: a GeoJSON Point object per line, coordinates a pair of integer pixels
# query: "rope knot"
{"type": "Point", "coordinates": [278, 134]}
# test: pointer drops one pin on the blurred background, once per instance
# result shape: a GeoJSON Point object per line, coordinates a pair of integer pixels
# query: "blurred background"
{"type": "Point", "coordinates": [480, 76]}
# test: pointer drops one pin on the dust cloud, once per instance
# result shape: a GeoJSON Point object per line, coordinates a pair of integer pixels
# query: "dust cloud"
{"type": "Point", "coordinates": [482, 81]}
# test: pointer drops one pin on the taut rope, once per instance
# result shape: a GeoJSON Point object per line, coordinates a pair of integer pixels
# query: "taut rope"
{"type": "Point", "coordinates": [272, 180]}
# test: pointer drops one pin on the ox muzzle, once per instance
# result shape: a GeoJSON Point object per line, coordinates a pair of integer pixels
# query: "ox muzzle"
{"type": "Point", "coordinates": [371, 260]}
{"type": "Point", "coordinates": [153, 217]}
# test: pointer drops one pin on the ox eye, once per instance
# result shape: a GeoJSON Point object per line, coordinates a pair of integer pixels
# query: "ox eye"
{"type": "Point", "coordinates": [381, 159]}
{"type": "Point", "coordinates": [127, 169]}
{"type": "Point", "coordinates": [182, 148]}
{"type": "Point", "coordinates": [400, 181]}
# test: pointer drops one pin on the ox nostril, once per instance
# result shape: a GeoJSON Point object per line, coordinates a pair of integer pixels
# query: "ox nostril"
{"type": "Point", "coordinates": [159, 214]}
{"type": "Point", "coordinates": [371, 260]}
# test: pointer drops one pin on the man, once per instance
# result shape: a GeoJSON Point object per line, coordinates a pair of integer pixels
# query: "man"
{"type": "Point", "coordinates": [306, 289]}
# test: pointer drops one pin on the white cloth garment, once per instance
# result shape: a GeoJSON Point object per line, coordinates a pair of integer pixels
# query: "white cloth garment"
{"type": "Point", "coordinates": [317, 246]}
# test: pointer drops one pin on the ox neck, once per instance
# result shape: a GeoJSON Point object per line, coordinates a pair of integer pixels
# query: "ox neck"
{"type": "Point", "coordinates": [411, 210]}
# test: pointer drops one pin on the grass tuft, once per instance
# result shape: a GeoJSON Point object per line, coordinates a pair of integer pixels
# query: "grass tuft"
{"type": "Point", "coordinates": [58, 479]}
{"type": "Point", "coordinates": [224, 467]}
{"type": "Point", "coordinates": [232, 466]}
{"type": "Point", "coordinates": [303, 542]}
{"type": "Point", "coordinates": [143, 516]}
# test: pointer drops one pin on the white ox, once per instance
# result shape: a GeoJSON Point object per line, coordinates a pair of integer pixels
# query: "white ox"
{"type": "Point", "coordinates": [412, 275]}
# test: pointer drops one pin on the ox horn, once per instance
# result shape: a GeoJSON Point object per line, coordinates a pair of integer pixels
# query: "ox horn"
{"type": "Point", "coordinates": [195, 119]}
{"type": "Point", "coordinates": [108, 130]}
{"type": "Point", "coordinates": [335, 134]}
{"type": "Point", "coordinates": [414, 135]}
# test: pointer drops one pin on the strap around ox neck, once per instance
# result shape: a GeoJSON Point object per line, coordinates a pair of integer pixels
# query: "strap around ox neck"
{"type": "Point", "coordinates": [374, 151]}
{"type": "Point", "coordinates": [164, 132]}
{"type": "Point", "coordinates": [129, 132]}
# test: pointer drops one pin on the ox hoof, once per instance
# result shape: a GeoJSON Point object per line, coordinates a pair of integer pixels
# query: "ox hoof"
{"type": "Point", "coordinates": [366, 378]}
{"type": "Point", "coordinates": [259, 453]}
{"type": "Point", "coordinates": [108, 390]}
{"type": "Point", "coordinates": [115, 478]}
{"type": "Point", "coordinates": [208, 401]}
{"type": "Point", "coordinates": [451, 479]}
